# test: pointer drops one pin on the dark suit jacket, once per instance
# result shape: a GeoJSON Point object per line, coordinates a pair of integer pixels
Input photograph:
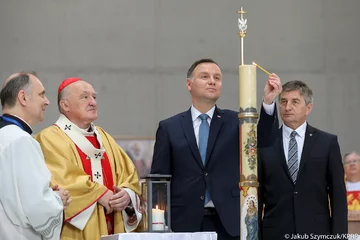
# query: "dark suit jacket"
{"type": "Point", "coordinates": [176, 153]}
{"type": "Point", "coordinates": [303, 207]}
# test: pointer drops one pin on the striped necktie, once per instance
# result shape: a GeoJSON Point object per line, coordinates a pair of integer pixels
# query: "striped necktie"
{"type": "Point", "coordinates": [293, 162]}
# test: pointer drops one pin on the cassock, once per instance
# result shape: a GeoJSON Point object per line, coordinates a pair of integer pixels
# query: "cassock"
{"type": "Point", "coordinates": [29, 208]}
{"type": "Point", "coordinates": [89, 163]}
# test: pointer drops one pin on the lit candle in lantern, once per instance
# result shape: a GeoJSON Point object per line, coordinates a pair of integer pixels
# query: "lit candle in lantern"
{"type": "Point", "coordinates": [158, 217]}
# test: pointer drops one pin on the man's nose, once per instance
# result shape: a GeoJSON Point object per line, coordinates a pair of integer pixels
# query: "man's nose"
{"type": "Point", "coordinates": [47, 102]}
{"type": "Point", "coordinates": [212, 80]}
{"type": "Point", "coordinates": [288, 106]}
{"type": "Point", "coordinates": [93, 101]}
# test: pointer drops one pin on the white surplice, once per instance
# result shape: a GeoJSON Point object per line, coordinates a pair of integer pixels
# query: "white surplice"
{"type": "Point", "coordinates": [29, 208]}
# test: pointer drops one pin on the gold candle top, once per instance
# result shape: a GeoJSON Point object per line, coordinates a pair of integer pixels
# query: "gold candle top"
{"type": "Point", "coordinates": [242, 23]}
{"type": "Point", "coordinates": [242, 32]}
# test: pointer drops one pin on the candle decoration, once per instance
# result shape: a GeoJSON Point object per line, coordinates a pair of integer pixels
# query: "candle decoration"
{"type": "Point", "coordinates": [248, 141]}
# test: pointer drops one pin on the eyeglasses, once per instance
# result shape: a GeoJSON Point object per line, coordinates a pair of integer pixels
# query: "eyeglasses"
{"type": "Point", "coordinates": [355, 161]}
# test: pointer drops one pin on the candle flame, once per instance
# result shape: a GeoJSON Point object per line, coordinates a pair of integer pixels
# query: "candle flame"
{"type": "Point", "coordinates": [157, 207]}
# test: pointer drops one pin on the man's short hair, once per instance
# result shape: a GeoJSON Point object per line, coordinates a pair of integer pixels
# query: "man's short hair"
{"type": "Point", "coordinates": [300, 86]}
{"type": "Point", "coordinates": [12, 87]}
{"type": "Point", "coordinates": [195, 64]}
{"type": "Point", "coordinates": [61, 95]}
{"type": "Point", "coordinates": [350, 153]}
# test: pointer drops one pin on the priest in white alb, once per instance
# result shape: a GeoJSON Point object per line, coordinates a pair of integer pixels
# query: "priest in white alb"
{"type": "Point", "coordinates": [29, 208]}
{"type": "Point", "coordinates": [87, 161]}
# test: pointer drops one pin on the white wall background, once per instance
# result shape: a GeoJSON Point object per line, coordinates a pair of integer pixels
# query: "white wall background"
{"type": "Point", "coordinates": [136, 54]}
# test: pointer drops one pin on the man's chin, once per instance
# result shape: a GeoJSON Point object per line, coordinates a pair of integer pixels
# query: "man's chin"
{"type": "Point", "coordinates": [213, 98]}
{"type": "Point", "coordinates": [287, 118]}
{"type": "Point", "coordinates": [93, 117]}
{"type": "Point", "coordinates": [288, 121]}
{"type": "Point", "coordinates": [41, 119]}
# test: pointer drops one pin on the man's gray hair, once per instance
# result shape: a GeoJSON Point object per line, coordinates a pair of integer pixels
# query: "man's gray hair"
{"type": "Point", "coordinates": [12, 88]}
{"type": "Point", "coordinates": [300, 86]}
{"type": "Point", "coordinates": [63, 94]}
{"type": "Point", "coordinates": [350, 153]}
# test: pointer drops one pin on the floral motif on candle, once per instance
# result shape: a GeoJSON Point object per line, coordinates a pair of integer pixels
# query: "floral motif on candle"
{"type": "Point", "coordinates": [250, 147]}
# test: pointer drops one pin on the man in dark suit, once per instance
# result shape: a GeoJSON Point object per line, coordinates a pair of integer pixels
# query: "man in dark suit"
{"type": "Point", "coordinates": [301, 175]}
{"type": "Point", "coordinates": [200, 149]}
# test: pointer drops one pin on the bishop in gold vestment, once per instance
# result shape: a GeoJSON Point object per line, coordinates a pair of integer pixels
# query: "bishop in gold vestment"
{"type": "Point", "coordinates": [87, 161]}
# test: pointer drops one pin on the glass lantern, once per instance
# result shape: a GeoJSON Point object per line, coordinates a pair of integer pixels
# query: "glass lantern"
{"type": "Point", "coordinates": [155, 193]}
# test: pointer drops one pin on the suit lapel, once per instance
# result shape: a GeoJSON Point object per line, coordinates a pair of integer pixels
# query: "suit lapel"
{"type": "Point", "coordinates": [309, 142]}
{"type": "Point", "coordinates": [188, 127]}
{"type": "Point", "coordinates": [281, 153]}
{"type": "Point", "coordinates": [215, 126]}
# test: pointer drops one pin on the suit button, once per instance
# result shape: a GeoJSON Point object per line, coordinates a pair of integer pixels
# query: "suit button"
{"type": "Point", "coordinates": [295, 193]}
{"type": "Point", "coordinates": [202, 197]}
{"type": "Point", "coordinates": [206, 174]}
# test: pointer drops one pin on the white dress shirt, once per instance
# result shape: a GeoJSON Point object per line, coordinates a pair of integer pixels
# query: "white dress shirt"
{"type": "Point", "coordinates": [300, 138]}
{"type": "Point", "coordinates": [197, 121]}
{"type": "Point", "coordinates": [286, 131]}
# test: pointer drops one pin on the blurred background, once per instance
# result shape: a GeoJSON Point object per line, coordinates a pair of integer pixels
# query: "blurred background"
{"type": "Point", "coordinates": [136, 54]}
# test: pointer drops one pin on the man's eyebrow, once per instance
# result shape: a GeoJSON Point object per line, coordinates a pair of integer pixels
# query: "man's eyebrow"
{"type": "Point", "coordinates": [87, 92]}
{"type": "Point", "coordinates": [290, 99]}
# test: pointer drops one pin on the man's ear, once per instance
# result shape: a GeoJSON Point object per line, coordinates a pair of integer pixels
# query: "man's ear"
{"type": "Point", "coordinates": [64, 104]}
{"type": "Point", "coordinates": [188, 84]}
{"type": "Point", "coordinates": [23, 98]}
{"type": "Point", "coordinates": [309, 108]}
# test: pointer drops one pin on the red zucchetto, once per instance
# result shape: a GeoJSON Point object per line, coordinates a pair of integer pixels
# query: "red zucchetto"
{"type": "Point", "coordinates": [67, 82]}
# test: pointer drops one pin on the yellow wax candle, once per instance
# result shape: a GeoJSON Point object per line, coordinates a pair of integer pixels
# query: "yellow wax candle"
{"type": "Point", "coordinates": [247, 74]}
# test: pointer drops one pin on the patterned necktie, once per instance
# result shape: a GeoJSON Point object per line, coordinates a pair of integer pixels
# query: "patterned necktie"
{"type": "Point", "coordinates": [203, 141]}
{"type": "Point", "coordinates": [293, 163]}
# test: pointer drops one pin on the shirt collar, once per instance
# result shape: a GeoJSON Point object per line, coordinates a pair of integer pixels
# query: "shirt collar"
{"type": "Point", "coordinates": [24, 124]}
{"type": "Point", "coordinates": [300, 130]}
{"type": "Point", "coordinates": [196, 113]}
{"type": "Point", "coordinates": [87, 131]}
